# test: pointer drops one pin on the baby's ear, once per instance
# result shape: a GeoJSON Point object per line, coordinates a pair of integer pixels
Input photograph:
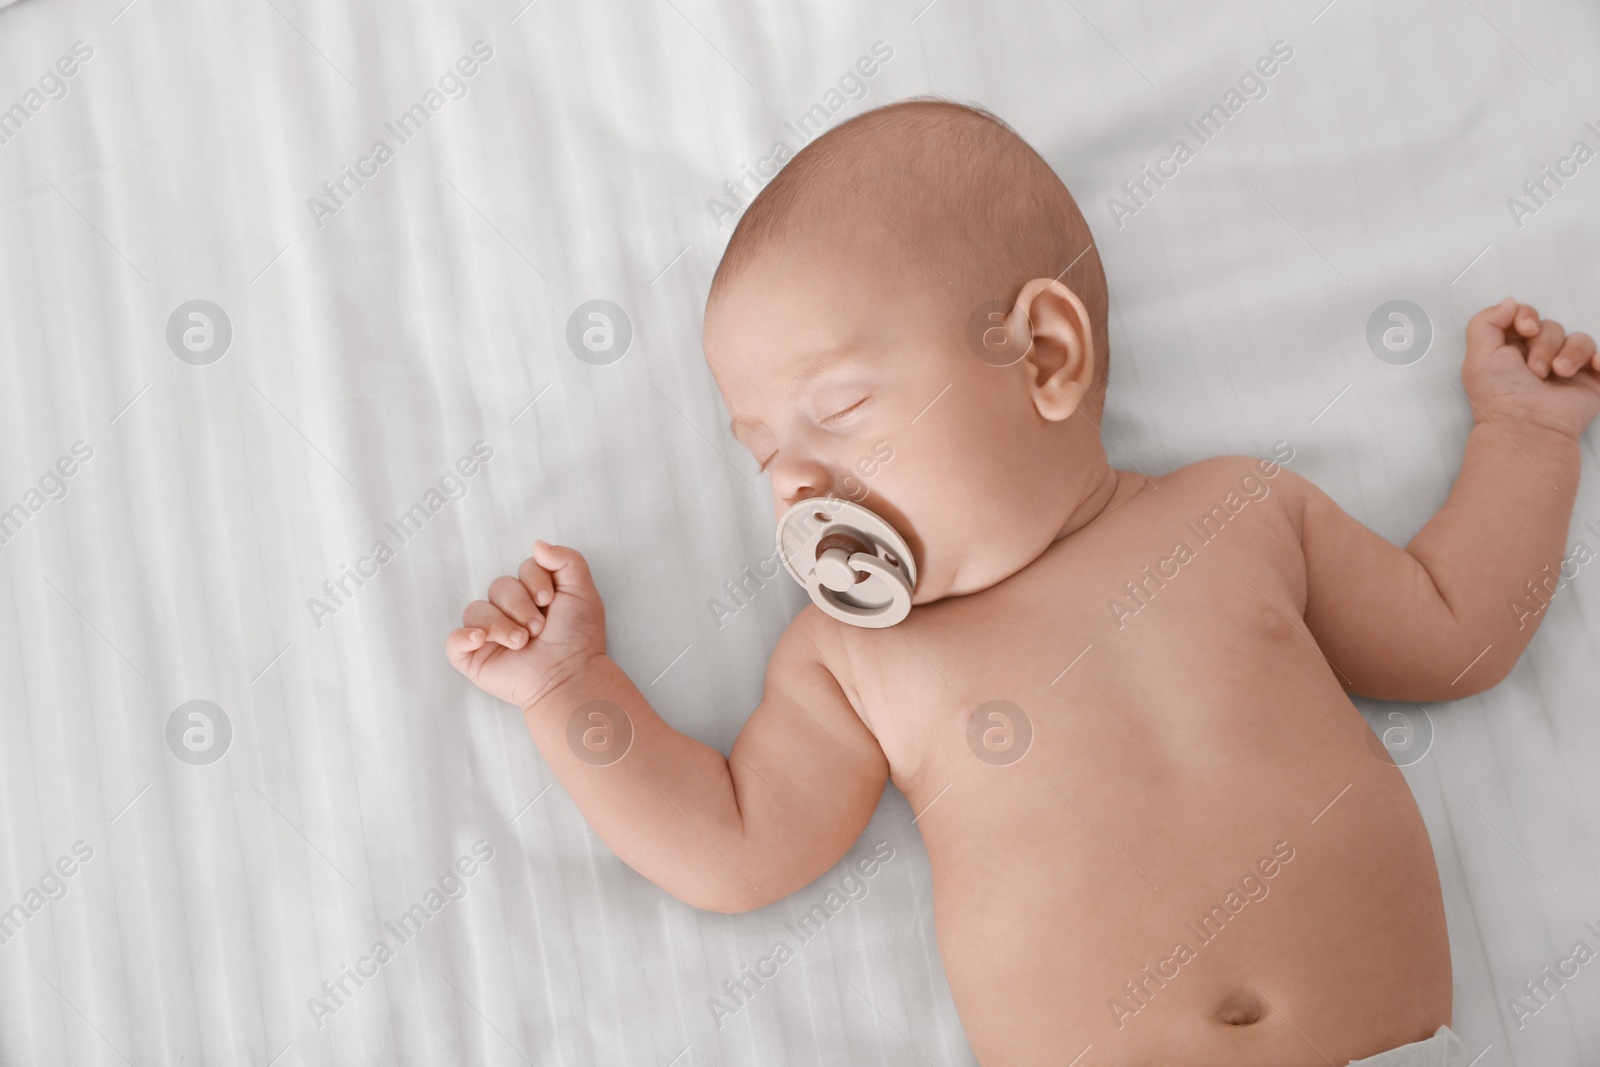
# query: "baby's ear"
{"type": "Point", "coordinates": [1054, 327]}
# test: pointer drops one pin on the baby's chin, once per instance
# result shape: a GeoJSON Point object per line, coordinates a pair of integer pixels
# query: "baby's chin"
{"type": "Point", "coordinates": [972, 568]}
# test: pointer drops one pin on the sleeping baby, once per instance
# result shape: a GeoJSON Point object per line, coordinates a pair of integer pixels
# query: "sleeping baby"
{"type": "Point", "coordinates": [1160, 833]}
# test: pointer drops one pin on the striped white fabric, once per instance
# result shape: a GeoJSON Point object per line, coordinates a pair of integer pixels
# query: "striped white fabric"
{"type": "Point", "coordinates": [275, 401]}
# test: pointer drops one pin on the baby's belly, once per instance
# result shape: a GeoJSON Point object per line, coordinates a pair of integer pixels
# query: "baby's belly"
{"type": "Point", "coordinates": [1247, 884]}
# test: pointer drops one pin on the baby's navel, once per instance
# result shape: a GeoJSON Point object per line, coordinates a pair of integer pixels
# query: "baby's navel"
{"type": "Point", "coordinates": [1240, 1009]}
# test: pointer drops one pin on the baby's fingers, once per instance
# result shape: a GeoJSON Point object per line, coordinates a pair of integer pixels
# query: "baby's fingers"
{"type": "Point", "coordinates": [502, 628]}
{"type": "Point", "coordinates": [1543, 347]}
{"type": "Point", "coordinates": [1575, 354]}
{"type": "Point", "coordinates": [461, 644]}
{"type": "Point", "coordinates": [1526, 320]}
{"type": "Point", "coordinates": [512, 597]}
{"type": "Point", "coordinates": [566, 566]}
{"type": "Point", "coordinates": [537, 581]}
{"type": "Point", "coordinates": [1486, 331]}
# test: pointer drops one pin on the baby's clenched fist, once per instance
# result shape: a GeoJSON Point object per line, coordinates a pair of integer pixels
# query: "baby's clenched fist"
{"type": "Point", "coordinates": [1525, 369]}
{"type": "Point", "coordinates": [535, 629]}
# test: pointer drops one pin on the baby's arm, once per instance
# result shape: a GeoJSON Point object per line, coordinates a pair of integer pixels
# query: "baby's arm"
{"type": "Point", "coordinates": [1450, 614]}
{"type": "Point", "coordinates": [720, 833]}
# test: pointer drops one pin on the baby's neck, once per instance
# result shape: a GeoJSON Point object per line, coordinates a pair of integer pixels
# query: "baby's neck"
{"type": "Point", "coordinates": [1111, 489]}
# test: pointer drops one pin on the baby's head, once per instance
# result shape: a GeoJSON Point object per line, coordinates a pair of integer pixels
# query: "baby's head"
{"type": "Point", "coordinates": [912, 315]}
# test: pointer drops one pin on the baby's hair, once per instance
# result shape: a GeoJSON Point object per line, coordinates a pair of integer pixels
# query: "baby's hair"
{"type": "Point", "coordinates": [975, 207]}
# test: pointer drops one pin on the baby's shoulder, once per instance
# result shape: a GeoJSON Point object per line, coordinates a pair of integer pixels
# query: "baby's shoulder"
{"type": "Point", "coordinates": [814, 643]}
{"type": "Point", "coordinates": [1228, 485]}
{"type": "Point", "coordinates": [1255, 477]}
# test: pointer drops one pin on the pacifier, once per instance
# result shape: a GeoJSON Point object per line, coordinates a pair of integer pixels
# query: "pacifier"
{"type": "Point", "coordinates": [854, 565]}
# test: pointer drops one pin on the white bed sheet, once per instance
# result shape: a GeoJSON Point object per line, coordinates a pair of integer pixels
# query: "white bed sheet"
{"type": "Point", "coordinates": [373, 347]}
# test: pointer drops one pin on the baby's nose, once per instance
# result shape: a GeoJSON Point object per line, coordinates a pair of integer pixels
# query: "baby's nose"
{"type": "Point", "coordinates": [794, 480]}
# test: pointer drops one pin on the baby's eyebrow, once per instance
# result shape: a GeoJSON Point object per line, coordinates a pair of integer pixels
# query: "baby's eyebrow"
{"type": "Point", "coordinates": [816, 366]}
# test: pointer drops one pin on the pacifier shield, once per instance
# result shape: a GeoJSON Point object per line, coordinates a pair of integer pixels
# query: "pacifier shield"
{"type": "Point", "coordinates": [854, 565]}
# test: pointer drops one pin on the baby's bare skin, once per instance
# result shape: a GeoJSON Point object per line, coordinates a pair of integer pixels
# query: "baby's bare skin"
{"type": "Point", "coordinates": [1173, 756]}
{"type": "Point", "coordinates": [1200, 746]}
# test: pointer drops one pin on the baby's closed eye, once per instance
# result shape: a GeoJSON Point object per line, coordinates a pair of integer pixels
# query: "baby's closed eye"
{"type": "Point", "coordinates": [849, 409]}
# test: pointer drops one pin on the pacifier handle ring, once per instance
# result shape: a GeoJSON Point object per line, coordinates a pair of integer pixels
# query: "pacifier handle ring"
{"type": "Point", "coordinates": [899, 605]}
{"type": "Point", "coordinates": [875, 573]}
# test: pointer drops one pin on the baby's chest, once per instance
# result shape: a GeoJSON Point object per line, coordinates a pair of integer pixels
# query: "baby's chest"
{"type": "Point", "coordinates": [1152, 641]}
